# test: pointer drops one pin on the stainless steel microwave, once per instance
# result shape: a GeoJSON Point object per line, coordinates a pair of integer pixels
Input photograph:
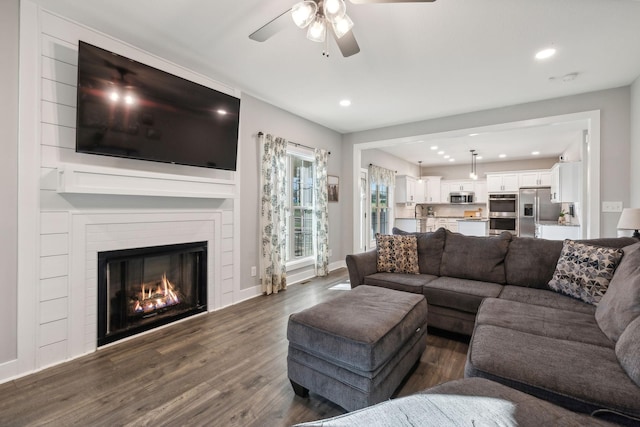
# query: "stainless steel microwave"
{"type": "Point", "coordinates": [462, 197]}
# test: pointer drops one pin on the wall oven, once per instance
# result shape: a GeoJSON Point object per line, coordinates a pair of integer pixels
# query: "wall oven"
{"type": "Point", "coordinates": [503, 213]}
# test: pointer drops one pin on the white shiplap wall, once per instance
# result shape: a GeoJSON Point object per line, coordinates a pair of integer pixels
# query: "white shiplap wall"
{"type": "Point", "coordinates": [56, 117]}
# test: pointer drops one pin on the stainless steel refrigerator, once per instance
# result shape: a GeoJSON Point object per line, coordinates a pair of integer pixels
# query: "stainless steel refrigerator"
{"type": "Point", "coordinates": [535, 206]}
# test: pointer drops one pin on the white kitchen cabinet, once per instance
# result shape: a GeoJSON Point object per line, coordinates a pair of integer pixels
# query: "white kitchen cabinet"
{"type": "Point", "coordinates": [535, 178]}
{"type": "Point", "coordinates": [463, 185]}
{"type": "Point", "coordinates": [566, 182]}
{"type": "Point", "coordinates": [502, 182]}
{"type": "Point", "coordinates": [405, 189]}
{"type": "Point", "coordinates": [480, 189]}
{"type": "Point", "coordinates": [432, 190]}
{"type": "Point", "coordinates": [452, 225]}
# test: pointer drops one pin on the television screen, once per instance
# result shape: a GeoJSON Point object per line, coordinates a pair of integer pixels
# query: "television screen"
{"type": "Point", "coordinates": [128, 109]}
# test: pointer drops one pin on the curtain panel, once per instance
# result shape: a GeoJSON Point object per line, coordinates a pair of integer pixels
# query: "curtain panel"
{"type": "Point", "coordinates": [321, 222]}
{"type": "Point", "coordinates": [273, 213]}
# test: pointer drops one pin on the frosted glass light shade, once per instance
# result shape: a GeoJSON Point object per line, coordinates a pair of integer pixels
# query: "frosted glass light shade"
{"type": "Point", "coordinates": [630, 219]}
{"type": "Point", "coordinates": [317, 31]}
{"type": "Point", "coordinates": [304, 12]}
{"type": "Point", "coordinates": [334, 9]}
{"type": "Point", "coordinates": [342, 26]}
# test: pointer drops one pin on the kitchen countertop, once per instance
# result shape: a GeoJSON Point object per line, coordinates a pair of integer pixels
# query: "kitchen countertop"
{"type": "Point", "coordinates": [556, 224]}
{"type": "Point", "coordinates": [474, 219]}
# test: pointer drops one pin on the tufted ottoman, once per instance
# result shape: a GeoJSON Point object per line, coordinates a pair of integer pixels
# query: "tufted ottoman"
{"type": "Point", "coordinates": [356, 349]}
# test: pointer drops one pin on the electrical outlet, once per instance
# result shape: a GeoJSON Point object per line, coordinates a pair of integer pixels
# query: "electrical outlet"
{"type": "Point", "coordinates": [254, 271]}
{"type": "Point", "coordinates": [611, 206]}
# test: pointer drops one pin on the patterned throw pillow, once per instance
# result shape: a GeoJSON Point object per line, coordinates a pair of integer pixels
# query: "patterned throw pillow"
{"type": "Point", "coordinates": [584, 271]}
{"type": "Point", "coordinates": [397, 254]}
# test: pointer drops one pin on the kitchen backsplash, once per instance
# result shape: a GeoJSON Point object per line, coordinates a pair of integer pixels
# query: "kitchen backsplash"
{"type": "Point", "coordinates": [440, 210]}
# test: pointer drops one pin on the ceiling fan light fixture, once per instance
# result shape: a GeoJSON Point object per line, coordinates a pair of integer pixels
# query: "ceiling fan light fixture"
{"type": "Point", "coordinates": [342, 26]}
{"type": "Point", "coordinates": [304, 12]}
{"type": "Point", "coordinates": [334, 9]}
{"type": "Point", "coordinates": [317, 31]}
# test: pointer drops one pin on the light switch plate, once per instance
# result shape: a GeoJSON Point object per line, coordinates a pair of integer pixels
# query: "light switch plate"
{"type": "Point", "coordinates": [611, 206]}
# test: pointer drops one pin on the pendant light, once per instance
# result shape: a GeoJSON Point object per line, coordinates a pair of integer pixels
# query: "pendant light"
{"type": "Point", "coordinates": [473, 174]}
{"type": "Point", "coordinates": [420, 170]}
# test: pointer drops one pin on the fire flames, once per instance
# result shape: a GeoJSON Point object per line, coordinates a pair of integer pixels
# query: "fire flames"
{"type": "Point", "coordinates": [156, 296]}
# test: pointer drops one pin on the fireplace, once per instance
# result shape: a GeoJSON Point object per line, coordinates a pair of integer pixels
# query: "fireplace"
{"type": "Point", "coordinates": [140, 289]}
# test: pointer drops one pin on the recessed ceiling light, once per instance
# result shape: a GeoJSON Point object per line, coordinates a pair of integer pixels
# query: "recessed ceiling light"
{"type": "Point", "coordinates": [502, 156]}
{"type": "Point", "coordinates": [434, 147]}
{"type": "Point", "coordinates": [535, 153]}
{"type": "Point", "coordinates": [221, 112]}
{"type": "Point", "coordinates": [441, 152]}
{"type": "Point", "coordinates": [545, 53]}
{"type": "Point", "coordinates": [447, 156]}
{"type": "Point", "coordinates": [452, 160]}
{"type": "Point", "coordinates": [345, 102]}
{"type": "Point", "coordinates": [478, 157]}
{"type": "Point", "coordinates": [474, 134]}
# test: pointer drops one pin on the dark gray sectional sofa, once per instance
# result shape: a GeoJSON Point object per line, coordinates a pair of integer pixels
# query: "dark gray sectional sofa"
{"type": "Point", "coordinates": [524, 335]}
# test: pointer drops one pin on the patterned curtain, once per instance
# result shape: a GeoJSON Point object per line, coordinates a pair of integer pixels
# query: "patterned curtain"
{"type": "Point", "coordinates": [321, 223]}
{"type": "Point", "coordinates": [383, 176]}
{"type": "Point", "coordinates": [273, 214]}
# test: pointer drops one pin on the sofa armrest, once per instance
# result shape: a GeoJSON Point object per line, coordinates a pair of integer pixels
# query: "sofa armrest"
{"type": "Point", "coordinates": [361, 265]}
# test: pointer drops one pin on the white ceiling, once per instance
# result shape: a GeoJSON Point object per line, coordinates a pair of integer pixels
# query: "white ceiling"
{"type": "Point", "coordinates": [417, 61]}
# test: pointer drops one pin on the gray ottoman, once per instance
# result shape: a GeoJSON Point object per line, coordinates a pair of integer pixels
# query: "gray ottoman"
{"type": "Point", "coordinates": [355, 349]}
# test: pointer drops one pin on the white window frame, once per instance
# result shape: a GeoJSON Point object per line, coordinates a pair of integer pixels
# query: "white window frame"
{"type": "Point", "coordinates": [293, 262]}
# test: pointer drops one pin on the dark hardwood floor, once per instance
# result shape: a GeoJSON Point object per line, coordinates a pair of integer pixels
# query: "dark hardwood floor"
{"type": "Point", "coordinates": [226, 368]}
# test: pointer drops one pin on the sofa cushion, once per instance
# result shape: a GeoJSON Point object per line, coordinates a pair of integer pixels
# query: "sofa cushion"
{"type": "Point", "coordinates": [399, 281]}
{"type": "Point", "coordinates": [544, 321]}
{"type": "Point", "coordinates": [460, 294]}
{"type": "Point", "coordinates": [545, 298]}
{"type": "Point", "coordinates": [397, 254]}
{"type": "Point", "coordinates": [584, 271]}
{"type": "Point", "coordinates": [621, 304]}
{"type": "Point", "coordinates": [531, 262]}
{"type": "Point", "coordinates": [628, 350]}
{"type": "Point", "coordinates": [583, 377]}
{"type": "Point", "coordinates": [430, 248]}
{"type": "Point", "coordinates": [475, 258]}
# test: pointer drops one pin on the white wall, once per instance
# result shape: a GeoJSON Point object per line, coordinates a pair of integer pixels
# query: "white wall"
{"type": "Point", "coordinates": [613, 104]}
{"type": "Point", "coordinates": [635, 145]}
{"type": "Point", "coordinates": [9, 20]}
{"type": "Point", "coordinates": [258, 116]}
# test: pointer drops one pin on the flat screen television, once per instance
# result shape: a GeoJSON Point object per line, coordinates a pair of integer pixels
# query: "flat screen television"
{"type": "Point", "coordinates": [128, 109]}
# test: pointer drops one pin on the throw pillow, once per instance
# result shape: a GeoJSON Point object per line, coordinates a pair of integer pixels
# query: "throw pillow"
{"type": "Point", "coordinates": [621, 304]}
{"type": "Point", "coordinates": [397, 254]}
{"type": "Point", "coordinates": [583, 271]}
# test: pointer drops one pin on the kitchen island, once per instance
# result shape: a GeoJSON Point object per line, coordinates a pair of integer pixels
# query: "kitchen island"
{"type": "Point", "coordinates": [473, 227]}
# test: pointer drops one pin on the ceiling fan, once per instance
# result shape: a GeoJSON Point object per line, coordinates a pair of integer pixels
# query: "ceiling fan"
{"type": "Point", "coordinates": [320, 17]}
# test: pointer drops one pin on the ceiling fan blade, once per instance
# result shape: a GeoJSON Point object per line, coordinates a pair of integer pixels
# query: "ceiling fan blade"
{"type": "Point", "coordinates": [272, 27]}
{"type": "Point", "coordinates": [347, 44]}
{"type": "Point", "coordinates": [391, 1]}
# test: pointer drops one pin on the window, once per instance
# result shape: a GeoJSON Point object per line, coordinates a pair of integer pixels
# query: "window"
{"type": "Point", "coordinates": [379, 209]}
{"type": "Point", "coordinates": [301, 208]}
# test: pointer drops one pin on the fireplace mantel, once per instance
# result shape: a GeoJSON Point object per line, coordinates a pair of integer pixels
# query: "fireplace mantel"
{"type": "Point", "coordinates": [81, 179]}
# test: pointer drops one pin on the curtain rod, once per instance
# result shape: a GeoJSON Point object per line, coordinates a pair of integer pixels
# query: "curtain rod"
{"type": "Point", "coordinates": [371, 164]}
{"type": "Point", "coordinates": [296, 143]}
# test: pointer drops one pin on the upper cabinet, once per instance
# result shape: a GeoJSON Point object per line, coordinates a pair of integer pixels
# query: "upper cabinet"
{"type": "Point", "coordinates": [431, 189]}
{"type": "Point", "coordinates": [539, 178]}
{"type": "Point", "coordinates": [480, 190]}
{"type": "Point", "coordinates": [502, 182]}
{"type": "Point", "coordinates": [566, 182]}
{"type": "Point", "coordinates": [406, 189]}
